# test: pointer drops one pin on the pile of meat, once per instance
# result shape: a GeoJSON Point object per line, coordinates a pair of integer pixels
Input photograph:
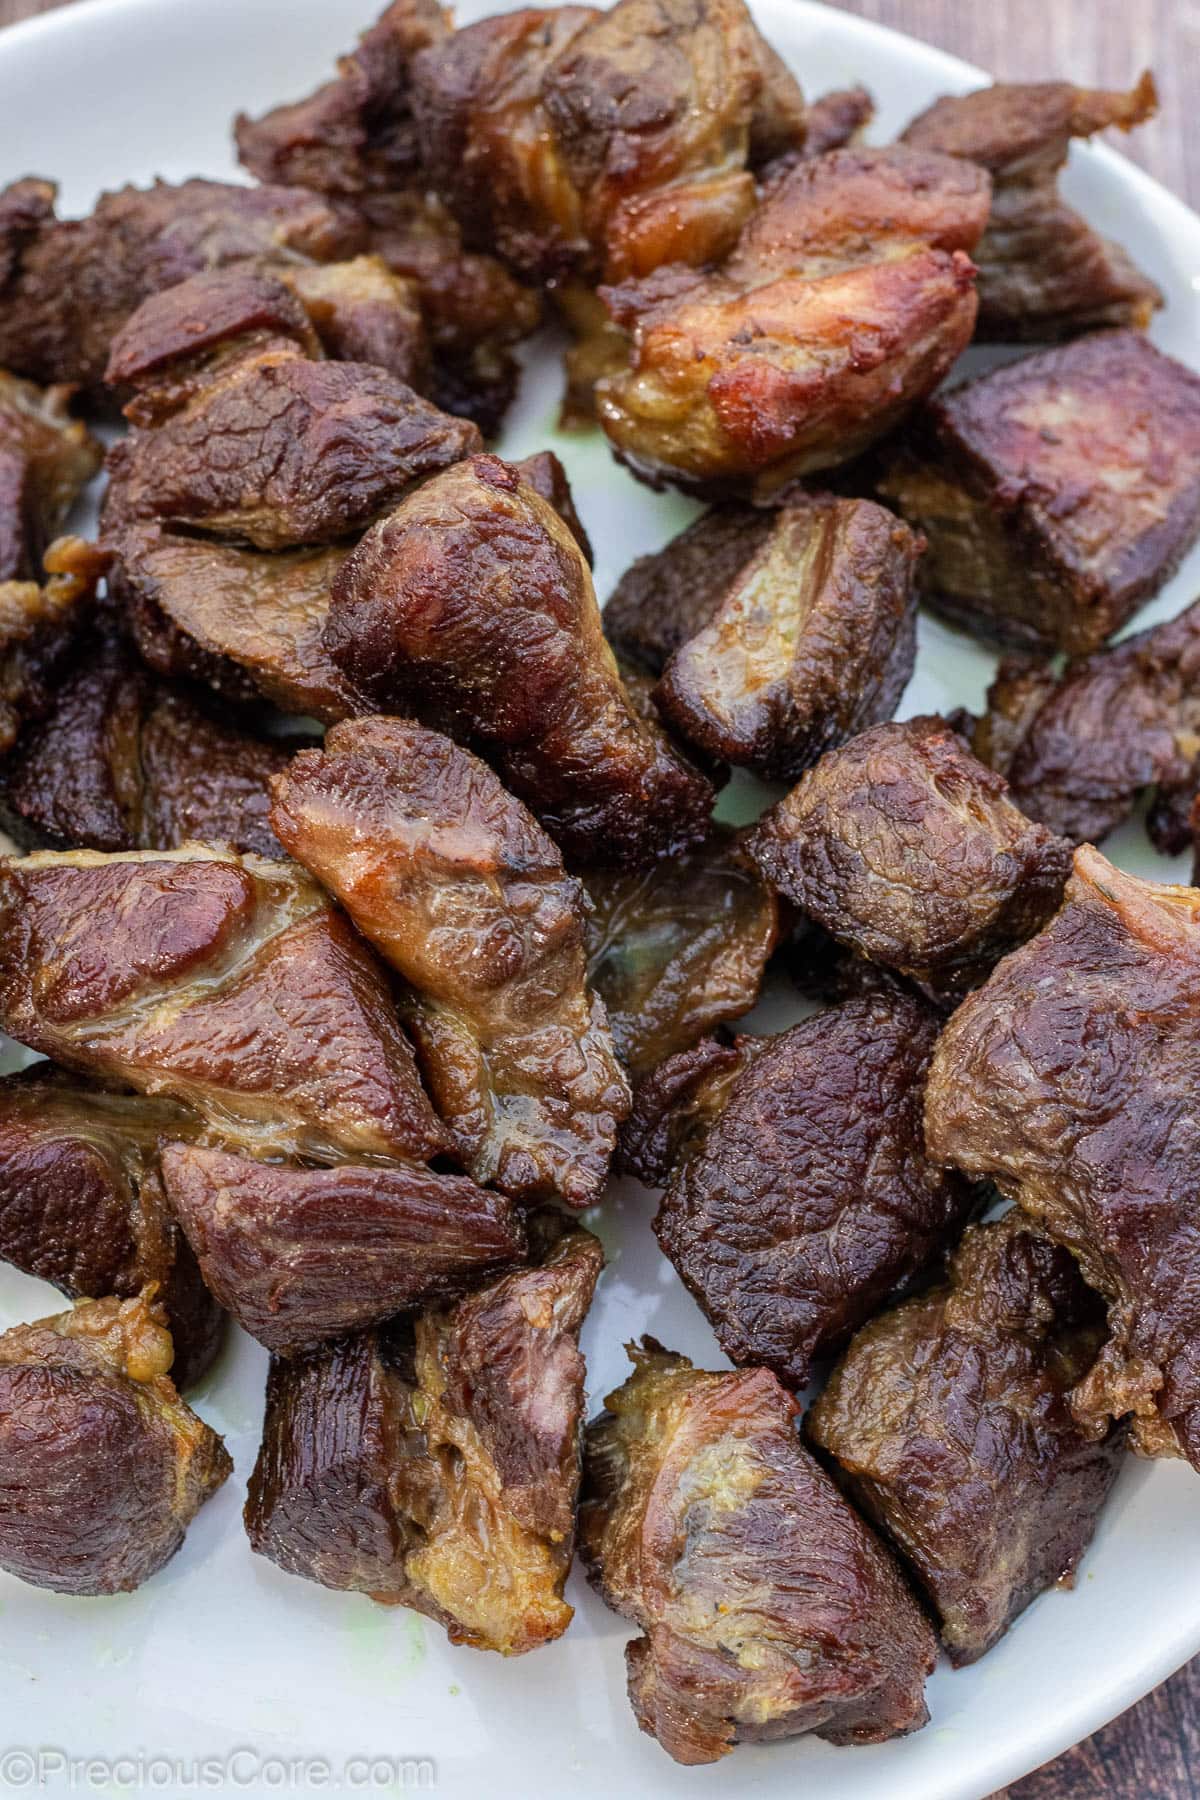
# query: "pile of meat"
{"type": "Point", "coordinates": [367, 908]}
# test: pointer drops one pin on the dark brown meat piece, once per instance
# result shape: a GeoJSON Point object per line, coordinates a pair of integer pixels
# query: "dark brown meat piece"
{"type": "Point", "coordinates": [102, 1466]}
{"type": "Point", "coordinates": [675, 1104]}
{"type": "Point", "coordinates": [82, 1203]}
{"type": "Point", "coordinates": [679, 948]}
{"type": "Point", "coordinates": [466, 897]}
{"type": "Point", "coordinates": [1044, 273]}
{"type": "Point", "coordinates": [439, 1471]}
{"type": "Point", "coordinates": [1070, 1081]}
{"type": "Point", "coordinates": [38, 630]}
{"type": "Point", "coordinates": [950, 1425]}
{"type": "Point", "coordinates": [1057, 493]}
{"type": "Point", "coordinates": [847, 299]}
{"type": "Point", "coordinates": [473, 605]}
{"type": "Point", "coordinates": [122, 761]}
{"type": "Point", "coordinates": [836, 119]}
{"type": "Point", "coordinates": [905, 847]}
{"type": "Point", "coordinates": [1079, 750]}
{"type": "Point", "coordinates": [768, 1609]}
{"type": "Point", "coordinates": [46, 459]}
{"type": "Point", "coordinates": [228, 983]}
{"type": "Point", "coordinates": [301, 1255]}
{"type": "Point", "coordinates": [796, 632]}
{"type": "Point", "coordinates": [808, 1197]}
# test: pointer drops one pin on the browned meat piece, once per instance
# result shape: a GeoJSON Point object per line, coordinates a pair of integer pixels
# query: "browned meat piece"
{"type": "Point", "coordinates": [301, 1255]}
{"type": "Point", "coordinates": [272, 449]}
{"type": "Point", "coordinates": [122, 761]}
{"type": "Point", "coordinates": [228, 983]}
{"type": "Point", "coordinates": [544, 473]}
{"type": "Point", "coordinates": [46, 459]}
{"type": "Point", "coordinates": [1079, 750]}
{"type": "Point", "coordinates": [38, 629]}
{"type": "Point", "coordinates": [82, 1204]}
{"type": "Point", "coordinates": [1044, 273]}
{"type": "Point", "coordinates": [785, 632]}
{"type": "Point", "coordinates": [102, 1466]}
{"type": "Point", "coordinates": [577, 141]}
{"type": "Point", "coordinates": [1070, 1081]}
{"type": "Point", "coordinates": [950, 1423]}
{"type": "Point", "coordinates": [679, 948]}
{"type": "Point", "coordinates": [806, 1197]}
{"type": "Point", "coordinates": [1057, 493]}
{"type": "Point", "coordinates": [472, 605]}
{"type": "Point", "coordinates": [439, 1471]}
{"type": "Point", "coordinates": [364, 311]}
{"type": "Point", "coordinates": [768, 1609]}
{"type": "Point", "coordinates": [676, 1103]}
{"type": "Point", "coordinates": [837, 119]}
{"type": "Point", "coordinates": [848, 297]}
{"type": "Point", "coordinates": [906, 848]}
{"type": "Point", "coordinates": [465, 895]}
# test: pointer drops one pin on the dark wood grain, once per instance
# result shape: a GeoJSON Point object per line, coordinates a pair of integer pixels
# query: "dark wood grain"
{"type": "Point", "coordinates": [1153, 1751]}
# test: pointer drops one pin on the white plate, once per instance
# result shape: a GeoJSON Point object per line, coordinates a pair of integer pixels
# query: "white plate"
{"type": "Point", "coordinates": [223, 1653]}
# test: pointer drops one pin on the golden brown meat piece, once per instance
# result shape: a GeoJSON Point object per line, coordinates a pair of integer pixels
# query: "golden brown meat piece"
{"type": "Point", "coordinates": [1057, 493]}
{"type": "Point", "coordinates": [1070, 1081]}
{"type": "Point", "coordinates": [437, 1466]}
{"type": "Point", "coordinates": [768, 1609]}
{"type": "Point", "coordinates": [800, 1196]}
{"type": "Point", "coordinates": [789, 631]}
{"type": "Point", "coordinates": [950, 1424]}
{"type": "Point", "coordinates": [460, 889]}
{"type": "Point", "coordinates": [906, 848]}
{"type": "Point", "coordinates": [102, 1466]}
{"type": "Point", "coordinates": [1079, 749]}
{"type": "Point", "coordinates": [302, 1255]}
{"type": "Point", "coordinates": [82, 1203]}
{"type": "Point", "coordinates": [473, 605]}
{"type": "Point", "coordinates": [39, 627]}
{"type": "Point", "coordinates": [228, 983]}
{"type": "Point", "coordinates": [677, 949]}
{"type": "Point", "coordinates": [1044, 273]}
{"type": "Point", "coordinates": [849, 295]}
{"type": "Point", "coordinates": [46, 459]}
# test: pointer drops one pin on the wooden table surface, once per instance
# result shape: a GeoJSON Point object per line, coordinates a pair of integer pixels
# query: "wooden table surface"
{"type": "Point", "coordinates": [1153, 1751]}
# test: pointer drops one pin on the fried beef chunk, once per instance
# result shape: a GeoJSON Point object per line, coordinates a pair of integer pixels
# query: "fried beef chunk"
{"type": "Point", "coordinates": [464, 894]}
{"type": "Point", "coordinates": [679, 948]}
{"type": "Point", "coordinates": [228, 983]}
{"type": "Point", "coordinates": [1079, 749]}
{"type": "Point", "coordinates": [676, 1103]}
{"type": "Point", "coordinates": [789, 631]}
{"type": "Point", "coordinates": [849, 295]}
{"type": "Point", "coordinates": [301, 1255]}
{"type": "Point", "coordinates": [1058, 493]}
{"type": "Point", "coordinates": [102, 1466]}
{"type": "Point", "coordinates": [906, 848]}
{"type": "Point", "coordinates": [82, 1203]}
{"type": "Point", "coordinates": [768, 1609]}
{"type": "Point", "coordinates": [437, 1466]}
{"type": "Point", "coordinates": [473, 605]}
{"type": "Point", "coordinates": [272, 449]}
{"type": "Point", "coordinates": [46, 459]}
{"type": "Point", "coordinates": [585, 142]}
{"type": "Point", "coordinates": [1044, 273]}
{"type": "Point", "coordinates": [950, 1425]}
{"type": "Point", "coordinates": [122, 761]}
{"type": "Point", "coordinates": [1070, 1081]}
{"type": "Point", "coordinates": [807, 1197]}
{"type": "Point", "coordinates": [38, 630]}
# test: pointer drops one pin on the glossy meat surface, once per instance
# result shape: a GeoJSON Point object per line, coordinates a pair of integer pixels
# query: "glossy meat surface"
{"type": "Point", "coordinates": [302, 1255]}
{"type": "Point", "coordinates": [1057, 493]}
{"type": "Point", "coordinates": [1069, 1081]}
{"type": "Point", "coordinates": [905, 847]}
{"type": "Point", "coordinates": [102, 1466]}
{"type": "Point", "coordinates": [809, 1198]}
{"type": "Point", "coordinates": [768, 1609]}
{"type": "Point", "coordinates": [228, 983]}
{"type": "Point", "coordinates": [38, 630]}
{"type": "Point", "coordinates": [466, 897]}
{"type": "Point", "coordinates": [950, 1424]}
{"type": "Point", "coordinates": [473, 605]}
{"type": "Point", "coordinates": [439, 1471]}
{"type": "Point", "coordinates": [46, 458]}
